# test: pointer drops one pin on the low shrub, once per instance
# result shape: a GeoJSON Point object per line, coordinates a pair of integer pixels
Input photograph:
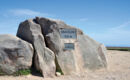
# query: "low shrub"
{"type": "Point", "coordinates": [120, 49]}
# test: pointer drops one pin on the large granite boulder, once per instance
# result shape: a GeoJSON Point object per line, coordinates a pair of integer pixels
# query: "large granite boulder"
{"type": "Point", "coordinates": [92, 52]}
{"type": "Point", "coordinates": [74, 51]}
{"type": "Point", "coordinates": [44, 59]}
{"type": "Point", "coordinates": [15, 54]}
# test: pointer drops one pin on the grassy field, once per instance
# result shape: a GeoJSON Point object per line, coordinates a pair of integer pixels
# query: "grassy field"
{"type": "Point", "coordinates": [119, 48]}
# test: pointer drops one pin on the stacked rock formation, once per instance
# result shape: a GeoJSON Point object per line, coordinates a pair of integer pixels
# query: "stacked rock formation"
{"type": "Point", "coordinates": [44, 57]}
{"type": "Point", "coordinates": [59, 47]}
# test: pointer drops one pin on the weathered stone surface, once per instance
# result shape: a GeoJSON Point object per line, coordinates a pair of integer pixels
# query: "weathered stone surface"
{"type": "Point", "coordinates": [15, 54]}
{"type": "Point", "coordinates": [44, 58]}
{"type": "Point", "coordinates": [87, 54]}
{"type": "Point", "coordinates": [92, 53]}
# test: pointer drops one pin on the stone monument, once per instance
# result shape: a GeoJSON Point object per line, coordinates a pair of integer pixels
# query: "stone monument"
{"type": "Point", "coordinates": [74, 51]}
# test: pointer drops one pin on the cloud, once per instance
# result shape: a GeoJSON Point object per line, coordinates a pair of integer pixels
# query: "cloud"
{"type": "Point", "coordinates": [11, 18]}
{"type": "Point", "coordinates": [117, 36]}
{"type": "Point", "coordinates": [122, 26]}
{"type": "Point", "coordinates": [28, 12]}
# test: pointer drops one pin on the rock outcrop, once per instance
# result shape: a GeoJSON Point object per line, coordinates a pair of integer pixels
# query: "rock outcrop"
{"type": "Point", "coordinates": [44, 59]}
{"type": "Point", "coordinates": [15, 54]}
{"type": "Point", "coordinates": [74, 51]}
{"type": "Point", "coordinates": [86, 54]}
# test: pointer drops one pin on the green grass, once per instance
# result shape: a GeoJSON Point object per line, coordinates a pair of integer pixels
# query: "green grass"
{"type": "Point", "coordinates": [18, 73]}
{"type": "Point", "coordinates": [22, 72]}
{"type": "Point", "coordinates": [1, 73]}
{"type": "Point", "coordinates": [58, 70]}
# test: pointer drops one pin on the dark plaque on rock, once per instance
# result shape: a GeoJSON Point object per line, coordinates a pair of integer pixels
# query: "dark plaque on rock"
{"type": "Point", "coordinates": [68, 33]}
{"type": "Point", "coordinates": [69, 46]}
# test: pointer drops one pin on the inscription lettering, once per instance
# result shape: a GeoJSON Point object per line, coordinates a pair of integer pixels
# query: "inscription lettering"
{"type": "Point", "coordinates": [68, 33]}
{"type": "Point", "coordinates": [69, 46]}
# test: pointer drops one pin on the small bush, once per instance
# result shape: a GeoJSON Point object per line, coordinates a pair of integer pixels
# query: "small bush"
{"type": "Point", "coordinates": [120, 49]}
